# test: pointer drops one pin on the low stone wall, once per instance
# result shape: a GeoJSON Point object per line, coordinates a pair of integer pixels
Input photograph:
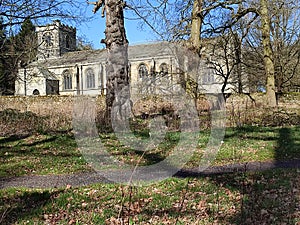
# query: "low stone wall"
{"type": "Point", "coordinates": [43, 105]}
{"type": "Point", "coordinates": [57, 111]}
{"type": "Point", "coordinates": [23, 115]}
{"type": "Point", "coordinates": [250, 110]}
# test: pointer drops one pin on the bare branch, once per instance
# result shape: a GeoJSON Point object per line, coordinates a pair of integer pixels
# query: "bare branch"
{"type": "Point", "coordinates": [98, 5]}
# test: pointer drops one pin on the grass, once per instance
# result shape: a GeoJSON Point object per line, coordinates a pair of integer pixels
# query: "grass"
{"type": "Point", "coordinates": [31, 145]}
{"type": "Point", "coordinates": [40, 154]}
{"type": "Point", "coordinates": [58, 153]}
{"type": "Point", "coordinates": [270, 197]}
{"type": "Point", "coordinates": [240, 145]}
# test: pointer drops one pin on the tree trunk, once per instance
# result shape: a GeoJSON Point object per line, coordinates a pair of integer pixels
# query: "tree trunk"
{"type": "Point", "coordinates": [268, 54]}
{"type": "Point", "coordinates": [238, 61]}
{"type": "Point", "coordinates": [195, 39]}
{"type": "Point", "coordinates": [117, 59]}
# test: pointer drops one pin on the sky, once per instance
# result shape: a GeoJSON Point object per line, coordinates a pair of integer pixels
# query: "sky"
{"type": "Point", "coordinates": [93, 31]}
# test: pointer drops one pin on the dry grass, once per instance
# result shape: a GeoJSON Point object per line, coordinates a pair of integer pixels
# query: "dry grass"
{"type": "Point", "coordinates": [21, 115]}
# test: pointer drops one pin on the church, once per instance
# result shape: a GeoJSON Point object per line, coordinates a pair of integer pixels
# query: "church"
{"type": "Point", "coordinates": [60, 69]}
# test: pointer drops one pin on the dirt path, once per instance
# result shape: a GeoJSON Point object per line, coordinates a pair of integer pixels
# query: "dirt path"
{"type": "Point", "coordinates": [82, 179]}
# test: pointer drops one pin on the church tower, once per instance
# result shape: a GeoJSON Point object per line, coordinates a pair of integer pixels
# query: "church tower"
{"type": "Point", "coordinates": [55, 39]}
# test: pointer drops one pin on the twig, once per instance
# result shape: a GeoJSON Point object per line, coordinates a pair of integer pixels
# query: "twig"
{"type": "Point", "coordinates": [6, 211]}
{"type": "Point", "coordinates": [184, 198]}
{"type": "Point", "coordinates": [130, 186]}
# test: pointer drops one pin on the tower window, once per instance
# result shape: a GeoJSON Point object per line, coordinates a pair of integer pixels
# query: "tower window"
{"type": "Point", "coordinates": [90, 78]}
{"type": "Point", "coordinates": [67, 80]}
{"type": "Point", "coordinates": [48, 39]}
{"type": "Point", "coordinates": [143, 71]}
{"type": "Point", "coordinates": [68, 41]}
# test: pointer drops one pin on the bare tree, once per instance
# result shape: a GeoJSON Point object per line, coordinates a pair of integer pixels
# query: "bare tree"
{"type": "Point", "coordinates": [196, 24]}
{"type": "Point", "coordinates": [14, 12]}
{"type": "Point", "coordinates": [284, 41]}
{"type": "Point", "coordinates": [224, 59]}
{"type": "Point", "coordinates": [285, 34]}
{"type": "Point", "coordinates": [193, 20]}
{"type": "Point", "coordinates": [268, 54]}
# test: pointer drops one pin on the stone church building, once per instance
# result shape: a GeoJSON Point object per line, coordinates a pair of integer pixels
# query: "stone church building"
{"type": "Point", "coordinates": [62, 70]}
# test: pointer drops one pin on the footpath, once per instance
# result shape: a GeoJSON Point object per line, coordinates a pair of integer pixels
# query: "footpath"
{"type": "Point", "coordinates": [88, 178]}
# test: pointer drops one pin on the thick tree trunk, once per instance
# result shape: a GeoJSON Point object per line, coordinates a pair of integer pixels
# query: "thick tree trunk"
{"type": "Point", "coordinates": [117, 60]}
{"type": "Point", "coordinates": [195, 39]}
{"type": "Point", "coordinates": [268, 54]}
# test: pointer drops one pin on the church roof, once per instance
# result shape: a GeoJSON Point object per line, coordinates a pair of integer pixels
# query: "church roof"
{"type": "Point", "coordinates": [141, 51]}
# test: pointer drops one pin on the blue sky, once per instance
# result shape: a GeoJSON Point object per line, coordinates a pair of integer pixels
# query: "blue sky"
{"type": "Point", "coordinates": [93, 31]}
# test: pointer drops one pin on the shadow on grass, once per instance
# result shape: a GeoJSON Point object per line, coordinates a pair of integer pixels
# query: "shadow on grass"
{"type": "Point", "coordinates": [288, 143]}
{"type": "Point", "coordinates": [25, 205]}
{"type": "Point", "coordinates": [268, 197]}
{"type": "Point", "coordinates": [119, 149]}
{"type": "Point", "coordinates": [269, 200]}
{"type": "Point", "coordinates": [23, 155]}
{"type": "Point", "coordinates": [13, 138]}
{"type": "Point", "coordinates": [285, 141]}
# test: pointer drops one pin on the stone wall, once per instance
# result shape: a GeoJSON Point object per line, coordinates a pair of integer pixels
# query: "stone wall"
{"type": "Point", "coordinates": [241, 109]}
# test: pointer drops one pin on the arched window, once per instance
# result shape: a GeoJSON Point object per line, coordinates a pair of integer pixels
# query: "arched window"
{"type": "Point", "coordinates": [208, 77]}
{"type": "Point", "coordinates": [163, 69]}
{"type": "Point", "coordinates": [67, 80]}
{"type": "Point", "coordinates": [90, 78]}
{"type": "Point", "coordinates": [143, 71]}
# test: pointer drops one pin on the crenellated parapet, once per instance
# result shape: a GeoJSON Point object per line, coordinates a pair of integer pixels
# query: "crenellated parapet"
{"type": "Point", "coordinates": [64, 27]}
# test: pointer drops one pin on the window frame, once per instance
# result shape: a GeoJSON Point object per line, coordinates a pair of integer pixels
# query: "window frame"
{"type": "Point", "coordinates": [208, 77]}
{"type": "Point", "coordinates": [90, 81]}
{"type": "Point", "coordinates": [163, 69]}
{"type": "Point", "coordinates": [143, 71]}
{"type": "Point", "coordinates": [67, 76]}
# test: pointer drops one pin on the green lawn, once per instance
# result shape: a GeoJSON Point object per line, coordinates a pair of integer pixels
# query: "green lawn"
{"type": "Point", "coordinates": [58, 153]}
{"type": "Point", "coordinates": [269, 197]}
{"type": "Point", "coordinates": [40, 154]}
{"type": "Point", "coordinates": [260, 144]}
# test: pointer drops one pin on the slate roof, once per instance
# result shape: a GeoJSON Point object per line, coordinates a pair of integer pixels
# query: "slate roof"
{"type": "Point", "coordinates": [140, 51]}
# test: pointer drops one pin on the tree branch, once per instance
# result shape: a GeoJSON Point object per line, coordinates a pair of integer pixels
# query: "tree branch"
{"type": "Point", "coordinates": [98, 5]}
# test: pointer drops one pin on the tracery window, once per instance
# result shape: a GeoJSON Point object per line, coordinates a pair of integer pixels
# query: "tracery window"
{"type": "Point", "coordinates": [67, 80]}
{"type": "Point", "coordinates": [143, 71]}
{"type": "Point", "coordinates": [90, 78]}
{"type": "Point", "coordinates": [163, 69]}
{"type": "Point", "coordinates": [208, 77]}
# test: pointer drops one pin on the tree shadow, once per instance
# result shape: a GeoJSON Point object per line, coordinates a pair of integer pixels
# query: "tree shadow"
{"type": "Point", "coordinates": [24, 205]}
{"type": "Point", "coordinates": [270, 196]}
{"type": "Point", "coordinates": [288, 143]}
{"type": "Point", "coordinates": [13, 138]}
{"type": "Point", "coordinates": [21, 155]}
{"type": "Point", "coordinates": [266, 197]}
